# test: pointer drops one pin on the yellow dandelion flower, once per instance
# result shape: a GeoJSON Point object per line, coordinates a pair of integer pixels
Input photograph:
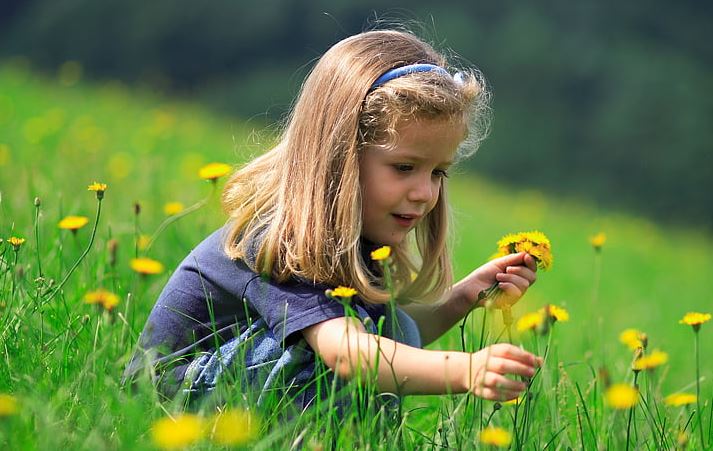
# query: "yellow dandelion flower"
{"type": "Point", "coordinates": [695, 319]}
{"type": "Point", "coordinates": [96, 186]}
{"type": "Point", "coordinates": [173, 208]}
{"type": "Point", "coordinates": [680, 399]}
{"type": "Point", "coordinates": [651, 361]}
{"type": "Point", "coordinates": [178, 432]}
{"type": "Point", "coordinates": [598, 240]}
{"type": "Point", "coordinates": [632, 338]}
{"type": "Point", "coordinates": [508, 240]}
{"type": "Point", "coordinates": [530, 321]}
{"type": "Point", "coordinates": [146, 266]}
{"type": "Point", "coordinates": [537, 238]}
{"type": "Point", "coordinates": [8, 405]}
{"type": "Point", "coordinates": [16, 242]}
{"type": "Point", "coordinates": [543, 256]}
{"type": "Point", "coordinates": [534, 243]}
{"type": "Point", "coordinates": [236, 427]}
{"type": "Point", "coordinates": [557, 313]}
{"type": "Point", "coordinates": [381, 253]}
{"type": "Point", "coordinates": [524, 246]}
{"type": "Point", "coordinates": [343, 292]}
{"type": "Point", "coordinates": [107, 299]}
{"type": "Point", "coordinates": [213, 171]}
{"type": "Point", "coordinates": [99, 188]}
{"type": "Point", "coordinates": [495, 436]}
{"type": "Point", "coordinates": [73, 223]}
{"type": "Point", "coordinates": [621, 396]}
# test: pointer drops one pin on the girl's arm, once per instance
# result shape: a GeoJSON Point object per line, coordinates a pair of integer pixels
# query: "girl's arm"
{"type": "Point", "coordinates": [515, 273]}
{"type": "Point", "coordinates": [347, 348]}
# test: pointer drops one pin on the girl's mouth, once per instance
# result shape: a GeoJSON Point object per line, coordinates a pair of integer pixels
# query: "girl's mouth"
{"type": "Point", "coordinates": [405, 220]}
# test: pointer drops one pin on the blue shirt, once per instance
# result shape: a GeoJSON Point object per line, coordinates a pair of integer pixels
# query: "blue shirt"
{"type": "Point", "coordinates": [213, 303]}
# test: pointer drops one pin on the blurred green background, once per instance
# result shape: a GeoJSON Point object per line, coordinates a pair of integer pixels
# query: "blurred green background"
{"type": "Point", "coordinates": [603, 100]}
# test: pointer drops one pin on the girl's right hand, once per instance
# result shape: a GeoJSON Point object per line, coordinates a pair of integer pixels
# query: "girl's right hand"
{"type": "Point", "coordinates": [486, 376]}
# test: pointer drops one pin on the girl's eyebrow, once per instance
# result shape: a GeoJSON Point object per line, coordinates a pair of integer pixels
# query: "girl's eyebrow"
{"type": "Point", "coordinates": [418, 158]}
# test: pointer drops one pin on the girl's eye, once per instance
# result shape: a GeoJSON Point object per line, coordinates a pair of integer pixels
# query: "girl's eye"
{"type": "Point", "coordinates": [440, 173]}
{"type": "Point", "coordinates": [403, 167]}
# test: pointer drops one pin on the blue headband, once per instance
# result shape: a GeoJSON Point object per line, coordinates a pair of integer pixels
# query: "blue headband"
{"type": "Point", "coordinates": [405, 70]}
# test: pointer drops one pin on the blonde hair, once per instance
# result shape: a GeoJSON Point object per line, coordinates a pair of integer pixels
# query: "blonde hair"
{"type": "Point", "coordinates": [296, 210]}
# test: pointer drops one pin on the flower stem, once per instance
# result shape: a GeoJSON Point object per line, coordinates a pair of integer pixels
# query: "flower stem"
{"type": "Point", "coordinates": [631, 413]}
{"type": "Point", "coordinates": [171, 219]}
{"type": "Point", "coordinates": [81, 257]}
{"type": "Point", "coordinates": [698, 389]}
{"type": "Point", "coordinates": [507, 320]}
{"type": "Point", "coordinates": [481, 296]}
{"type": "Point", "coordinates": [37, 239]}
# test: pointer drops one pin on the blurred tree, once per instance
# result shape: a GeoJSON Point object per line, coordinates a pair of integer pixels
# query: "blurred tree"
{"type": "Point", "coordinates": [602, 98]}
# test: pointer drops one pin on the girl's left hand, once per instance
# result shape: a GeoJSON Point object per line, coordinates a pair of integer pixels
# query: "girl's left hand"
{"type": "Point", "coordinates": [515, 273]}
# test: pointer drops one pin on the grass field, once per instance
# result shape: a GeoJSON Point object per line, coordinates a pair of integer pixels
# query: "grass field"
{"type": "Point", "coordinates": [62, 359]}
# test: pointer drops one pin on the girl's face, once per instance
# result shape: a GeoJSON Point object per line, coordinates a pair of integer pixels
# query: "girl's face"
{"type": "Point", "coordinates": [400, 186]}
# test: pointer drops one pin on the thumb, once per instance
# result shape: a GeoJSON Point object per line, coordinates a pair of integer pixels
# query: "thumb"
{"type": "Point", "coordinates": [510, 260]}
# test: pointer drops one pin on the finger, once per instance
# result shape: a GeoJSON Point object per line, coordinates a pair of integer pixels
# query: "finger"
{"type": "Point", "coordinates": [500, 382]}
{"type": "Point", "coordinates": [507, 366]}
{"type": "Point", "coordinates": [530, 262]}
{"type": "Point", "coordinates": [522, 271]}
{"type": "Point", "coordinates": [519, 281]}
{"type": "Point", "coordinates": [511, 260]}
{"type": "Point", "coordinates": [508, 351]}
{"type": "Point", "coordinates": [497, 395]}
{"type": "Point", "coordinates": [511, 291]}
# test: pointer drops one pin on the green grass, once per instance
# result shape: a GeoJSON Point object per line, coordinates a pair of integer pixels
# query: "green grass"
{"type": "Point", "coordinates": [62, 359]}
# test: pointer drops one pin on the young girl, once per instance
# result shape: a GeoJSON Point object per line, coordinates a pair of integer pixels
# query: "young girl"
{"type": "Point", "coordinates": [361, 164]}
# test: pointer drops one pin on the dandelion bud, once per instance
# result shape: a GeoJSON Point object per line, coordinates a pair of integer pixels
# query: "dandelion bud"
{"type": "Point", "coordinates": [638, 354]}
{"type": "Point", "coordinates": [682, 440]}
{"type": "Point", "coordinates": [112, 247]}
{"type": "Point", "coordinates": [137, 208]}
{"type": "Point", "coordinates": [497, 406]}
{"type": "Point", "coordinates": [37, 202]}
{"type": "Point", "coordinates": [544, 327]}
{"type": "Point", "coordinates": [644, 340]}
{"type": "Point", "coordinates": [604, 377]}
{"type": "Point", "coordinates": [315, 446]}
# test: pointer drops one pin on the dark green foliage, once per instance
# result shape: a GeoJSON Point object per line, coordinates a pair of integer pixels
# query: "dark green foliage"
{"type": "Point", "coordinates": [602, 99]}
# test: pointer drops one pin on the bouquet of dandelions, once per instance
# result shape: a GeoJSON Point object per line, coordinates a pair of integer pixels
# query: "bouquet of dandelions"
{"type": "Point", "coordinates": [534, 243]}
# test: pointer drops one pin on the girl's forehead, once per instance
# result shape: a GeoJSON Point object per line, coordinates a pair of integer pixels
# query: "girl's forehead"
{"type": "Point", "coordinates": [431, 132]}
{"type": "Point", "coordinates": [425, 140]}
{"type": "Point", "coordinates": [447, 125]}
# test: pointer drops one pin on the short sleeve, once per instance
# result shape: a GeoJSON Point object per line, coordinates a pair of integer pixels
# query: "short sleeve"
{"type": "Point", "coordinates": [291, 307]}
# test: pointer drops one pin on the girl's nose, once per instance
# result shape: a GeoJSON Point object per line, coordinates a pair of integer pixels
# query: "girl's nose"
{"type": "Point", "coordinates": [424, 190]}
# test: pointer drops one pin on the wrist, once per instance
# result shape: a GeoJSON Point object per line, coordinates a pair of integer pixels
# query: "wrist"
{"type": "Point", "coordinates": [462, 377]}
{"type": "Point", "coordinates": [466, 297]}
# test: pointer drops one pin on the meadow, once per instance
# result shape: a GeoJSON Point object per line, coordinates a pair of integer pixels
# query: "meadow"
{"type": "Point", "coordinates": [64, 347]}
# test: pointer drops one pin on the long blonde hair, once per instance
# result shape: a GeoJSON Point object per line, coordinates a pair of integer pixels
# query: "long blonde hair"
{"type": "Point", "coordinates": [298, 208]}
